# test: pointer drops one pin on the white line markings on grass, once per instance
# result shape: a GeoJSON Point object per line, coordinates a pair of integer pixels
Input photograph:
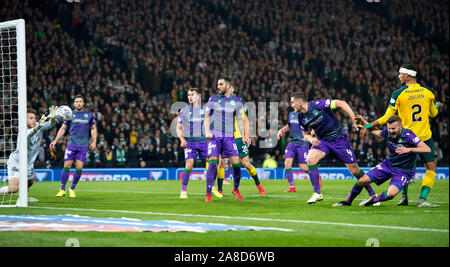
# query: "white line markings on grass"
{"type": "Point", "coordinates": [251, 195]}
{"type": "Point", "coordinates": [254, 219]}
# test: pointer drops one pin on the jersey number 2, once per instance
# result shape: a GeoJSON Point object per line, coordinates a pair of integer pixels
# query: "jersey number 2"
{"type": "Point", "coordinates": [417, 110]}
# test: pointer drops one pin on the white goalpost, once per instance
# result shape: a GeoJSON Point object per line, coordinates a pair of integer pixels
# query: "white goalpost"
{"type": "Point", "coordinates": [13, 108]}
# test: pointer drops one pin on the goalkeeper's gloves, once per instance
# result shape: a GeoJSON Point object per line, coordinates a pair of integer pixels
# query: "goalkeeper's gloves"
{"type": "Point", "coordinates": [42, 121]}
{"type": "Point", "coordinates": [52, 112]}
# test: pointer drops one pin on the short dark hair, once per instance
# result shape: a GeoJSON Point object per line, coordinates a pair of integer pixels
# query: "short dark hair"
{"type": "Point", "coordinates": [195, 89]}
{"type": "Point", "coordinates": [227, 80]}
{"type": "Point", "coordinates": [393, 119]}
{"type": "Point", "coordinates": [300, 95]}
{"type": "Point", "coordinates": [409, 66]}
{"type": "Point", "coordinates": [412, 67]}
{"type": "Point", "coordinates": [32, 110]}
{"type": "Point", "coordinates": [78, 96]}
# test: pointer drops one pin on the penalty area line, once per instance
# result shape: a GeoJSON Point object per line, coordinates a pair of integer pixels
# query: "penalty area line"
{"type": "Point", "coordinates": [254, 219]}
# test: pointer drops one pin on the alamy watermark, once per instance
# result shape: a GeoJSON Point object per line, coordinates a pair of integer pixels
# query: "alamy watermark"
{"type": "Point", "coordinates": [262, 120]}
{"type": "Point", "coordinates": [72, 242]}
{"type": "Point", "coordinates": [372, 242]}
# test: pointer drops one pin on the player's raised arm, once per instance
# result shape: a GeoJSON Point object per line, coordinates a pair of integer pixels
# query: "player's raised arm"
{"type": "Point", "coordinates": [51, 118]}
{"type": "Point", "coordinates": [361, 122]}
{"type": "Point", "coordinates": [382, 121]}
{"type": "Point", "coordinates": [38, 126]}
{"type": "Point", "coordinates": [346, 108]}
{"type": "Point", "coordinates": [46, 122]}
{"type": "Point", "coordinates": [391, 110]}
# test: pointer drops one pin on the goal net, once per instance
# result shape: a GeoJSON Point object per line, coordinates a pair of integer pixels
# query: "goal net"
{"type": "Point", "coordinates": [13, 117]}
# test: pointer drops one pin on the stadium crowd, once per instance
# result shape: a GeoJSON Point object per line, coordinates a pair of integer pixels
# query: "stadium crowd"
{"type": "Point", "coordinates": [133, 59]}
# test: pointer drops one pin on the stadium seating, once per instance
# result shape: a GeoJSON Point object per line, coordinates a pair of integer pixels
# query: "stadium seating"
{"type": "Point", "coordinates": [132, 59]}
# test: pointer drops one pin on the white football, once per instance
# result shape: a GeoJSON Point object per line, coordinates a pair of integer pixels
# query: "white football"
{"type": "Point", "coordinates": [64, 113]}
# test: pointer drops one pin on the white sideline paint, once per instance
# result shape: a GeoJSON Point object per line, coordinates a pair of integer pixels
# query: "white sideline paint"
{"type": "Point", "coordinates": [254, 219]}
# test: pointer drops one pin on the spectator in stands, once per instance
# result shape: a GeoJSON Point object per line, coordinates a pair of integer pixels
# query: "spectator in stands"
{"type": "Point", "coordinates": [121, 156]}
{"type": "Point", "coordinates": [131, 67]}
{"type": "Point", "coordinates": [133, 156]}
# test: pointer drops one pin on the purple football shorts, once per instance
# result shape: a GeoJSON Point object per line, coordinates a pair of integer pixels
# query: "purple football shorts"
{"type": "Point", "coordinates": [224, 146]}
{"type": "Point", "coordinates": [384, 171]}
{"type": "Point", "coordinates": [341, 147]}
{"type": "Point", "coordinates": [294, 150]}
{"type": "Point", "coordinates": [76, 153]}
{"type": "Point", "coordinates": [194, 148]}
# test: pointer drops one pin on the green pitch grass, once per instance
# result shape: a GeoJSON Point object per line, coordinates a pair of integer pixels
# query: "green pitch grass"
{"type": "Point", "coordinates": [313, 225]}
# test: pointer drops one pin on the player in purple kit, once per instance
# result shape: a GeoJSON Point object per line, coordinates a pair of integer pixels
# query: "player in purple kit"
{"type": "Point", "coordinates": [80, 125]}
{"type": "Point", "coordinates": [331, 137]}
{"type": "Point", "coordinates": [242, 146]}
{"type": "Point", "coordinates": [296, 148]}
{"type": "Point", "coordinates": [220, 114]}
{"type": "Point", "coordinates": [399, 166]}
{"type": "Point", "coordinates": [192, 136]}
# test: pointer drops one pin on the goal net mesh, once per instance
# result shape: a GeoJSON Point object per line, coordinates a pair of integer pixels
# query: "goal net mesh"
{"type": "Point", "coordinates": [9, 106]}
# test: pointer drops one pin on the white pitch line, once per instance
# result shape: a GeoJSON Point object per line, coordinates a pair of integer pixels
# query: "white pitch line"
{"type": "Point", "coordinates": [252, 195]}
{"type": "Point", "coordinates": [255, 219]}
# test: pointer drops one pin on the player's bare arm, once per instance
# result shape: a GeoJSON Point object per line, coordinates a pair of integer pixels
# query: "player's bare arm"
{"type": "Point", "coordinates": [376, 133]}
{"type": "Point", "coordinates": [246, 138]}
{"type": "Point", "coordinates": [347, 109]}
{"type": "Point", "coordinates": [282, 131]}
{"type": "Point", "coordinates": [208, 133]}
{"type": "Point", "coordinates": [180, 135]}
{"type": "Point", "coordinates": [421, 148]}
{"type": "Point", "coordinates": [380, 121]}
{"type": "Point", "coordinates": [308, 137]}
{"type": "Point", "coordinates": [361, 122]}
{"type": "Point", "coordinates": [59, 135]}
{"type": "Point", "coordinates": [93, 144]}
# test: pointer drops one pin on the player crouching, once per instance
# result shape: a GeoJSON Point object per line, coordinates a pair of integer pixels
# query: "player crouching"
{"type": "Point", "coordinates": [399, 166]}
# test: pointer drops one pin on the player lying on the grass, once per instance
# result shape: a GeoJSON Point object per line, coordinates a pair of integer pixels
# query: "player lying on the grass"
{"type": "Point", "coordinates": [34, 136]}
{"type": "Point", "coordinates": [296, 148]}
{"type": "Point", "coordinates": [192, 136]}
{"type": "Point", "coordinates": [332, 137]}
{"type": "Point", "coordinates": [242, 144]}
{"type": "Point", "coordinates": [399, 166]}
